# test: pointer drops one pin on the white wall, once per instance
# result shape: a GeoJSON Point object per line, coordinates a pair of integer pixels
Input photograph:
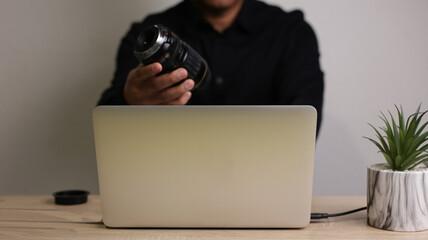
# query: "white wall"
{"type": "Point", "coordinates": [56, 57]}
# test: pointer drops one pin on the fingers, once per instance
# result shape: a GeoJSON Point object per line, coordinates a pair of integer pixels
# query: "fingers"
{"type": "Point", "coordinates": [176, 94]}
{"type": "Point", "coordinates": [144, 73]}
{"type": "Point", "coordinates": [145, 76]}
{"type": "Point", "coordinates": [182, 100]}
{"type": "Point", "coordinates": [169, 79]}
{"type": "Point", "coordinates": [150, 70]}
{"type": "Point", "coordinates": [144, 86]}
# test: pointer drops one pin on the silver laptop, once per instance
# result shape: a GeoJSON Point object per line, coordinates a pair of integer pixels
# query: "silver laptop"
{"type": "Point", "coordinates": [205, 166]}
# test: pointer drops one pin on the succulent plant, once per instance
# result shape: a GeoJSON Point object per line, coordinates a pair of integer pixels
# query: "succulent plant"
{"type": "Point", "coordinates": [402, 144]}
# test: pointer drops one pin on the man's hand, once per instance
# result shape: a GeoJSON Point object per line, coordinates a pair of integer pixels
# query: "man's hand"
{"type": "Point", "coordinates": [143, 87]}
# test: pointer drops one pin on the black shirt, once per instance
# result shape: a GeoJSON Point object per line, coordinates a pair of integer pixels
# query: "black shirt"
{"type": "Point", "coordinates": [267, 57]}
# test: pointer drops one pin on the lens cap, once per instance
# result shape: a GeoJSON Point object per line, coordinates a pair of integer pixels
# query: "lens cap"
{"type": "Point", "coordinates": [71, 197]}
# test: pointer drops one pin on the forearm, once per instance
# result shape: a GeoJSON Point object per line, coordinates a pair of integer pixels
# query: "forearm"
{"type": "Point", "coordinates": [113, 96]}
{"type": "Point", "coordinates": [125, 62]}
{"type": "Point", "coordinates": [302, 81]}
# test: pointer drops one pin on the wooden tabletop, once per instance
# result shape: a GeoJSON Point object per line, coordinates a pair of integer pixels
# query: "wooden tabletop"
{"type": "Point", "coordinates": [37, 217]}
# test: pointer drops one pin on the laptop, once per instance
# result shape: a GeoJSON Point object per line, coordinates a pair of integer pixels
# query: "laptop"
{"type": "Point", "coordinates": [205, 166]}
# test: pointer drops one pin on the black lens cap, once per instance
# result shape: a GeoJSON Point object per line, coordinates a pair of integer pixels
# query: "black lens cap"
{"type": "Point", "coordinates": [71, 197]}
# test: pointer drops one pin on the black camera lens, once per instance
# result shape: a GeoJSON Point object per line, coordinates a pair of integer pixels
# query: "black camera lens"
{"type": "Point", "coordinates": [158, 44]}
{"type": "Point", "coordinates": [146, 39]}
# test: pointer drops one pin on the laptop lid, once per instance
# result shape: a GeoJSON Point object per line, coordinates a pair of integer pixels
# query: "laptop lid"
{"type": "Point", "coordinates": [205, 166]}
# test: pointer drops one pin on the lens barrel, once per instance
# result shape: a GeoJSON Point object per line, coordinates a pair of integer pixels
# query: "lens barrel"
{"type": "Point", "coordinates": [159, 44]}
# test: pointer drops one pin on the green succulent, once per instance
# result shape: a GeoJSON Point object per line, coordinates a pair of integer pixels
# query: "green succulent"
{"type": "Point", "coordinates": [402, 145]}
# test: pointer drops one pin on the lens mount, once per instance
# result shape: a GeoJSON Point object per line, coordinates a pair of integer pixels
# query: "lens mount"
{"type": "Point", "coordinates": [160, 36]}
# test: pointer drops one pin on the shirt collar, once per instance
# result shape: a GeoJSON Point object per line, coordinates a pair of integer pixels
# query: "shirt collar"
{"type": "Point", "coordinates": [245, 18]}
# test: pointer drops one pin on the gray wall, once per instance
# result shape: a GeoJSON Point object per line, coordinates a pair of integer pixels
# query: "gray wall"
{"type": "Point", "coordinates": [56, 57]}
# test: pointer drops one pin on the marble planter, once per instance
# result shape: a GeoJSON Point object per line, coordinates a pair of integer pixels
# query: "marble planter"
{"type": "Point", "coordinates": [397, 201]}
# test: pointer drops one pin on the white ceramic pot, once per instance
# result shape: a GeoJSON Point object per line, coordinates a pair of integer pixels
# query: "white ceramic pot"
{"type": "Point", "coordinates": [397, 201]}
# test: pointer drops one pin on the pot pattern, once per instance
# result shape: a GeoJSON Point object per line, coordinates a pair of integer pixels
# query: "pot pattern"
{"type": "Point", "coordinates": [397, 201]}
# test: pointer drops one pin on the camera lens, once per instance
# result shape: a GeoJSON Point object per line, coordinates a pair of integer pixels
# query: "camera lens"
{"type": "Point", "coordinates": [158, 44]}
{"type": "Point", "coordinates": [147, 39]}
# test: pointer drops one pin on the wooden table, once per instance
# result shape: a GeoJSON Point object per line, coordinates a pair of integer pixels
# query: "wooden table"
{"type": "Point", "coordinates": [37, 217]}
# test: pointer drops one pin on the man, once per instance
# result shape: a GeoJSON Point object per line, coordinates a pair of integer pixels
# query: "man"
{"type": "Point", "coordinates": [258, 55]}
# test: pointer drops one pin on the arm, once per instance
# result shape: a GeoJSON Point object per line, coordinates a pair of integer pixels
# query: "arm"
{"type": "Point", "coordinates": [301, 81]}
{"type": "Point", "coordinates": [125, 62]}
{"type": "Point", "coordinates": [141, 85]}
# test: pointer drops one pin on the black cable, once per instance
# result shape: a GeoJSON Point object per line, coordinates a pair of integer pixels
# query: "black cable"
{"type": "Point", "coordinates": [326, 215]}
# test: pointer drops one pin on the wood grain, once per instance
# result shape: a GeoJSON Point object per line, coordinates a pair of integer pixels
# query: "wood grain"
{"type": "Point", "coordinates": [37, 217]}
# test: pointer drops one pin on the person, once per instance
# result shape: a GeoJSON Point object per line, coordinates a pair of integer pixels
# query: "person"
{"type": "Point", "coordinates": [258, 55]}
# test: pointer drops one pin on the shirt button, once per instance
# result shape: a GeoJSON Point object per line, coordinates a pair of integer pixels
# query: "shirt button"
{"type": "Point", "coordinates": [219, 80]}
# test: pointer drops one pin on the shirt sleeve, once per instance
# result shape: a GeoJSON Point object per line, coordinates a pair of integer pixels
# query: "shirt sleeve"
{"type": "Point", "coordinates": [125, 62]}
{"type": "Point", "coordinates": [301, 81]}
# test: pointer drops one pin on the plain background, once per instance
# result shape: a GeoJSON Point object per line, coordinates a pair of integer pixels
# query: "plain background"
{"type": "Point", "coordinates": [57, 56]}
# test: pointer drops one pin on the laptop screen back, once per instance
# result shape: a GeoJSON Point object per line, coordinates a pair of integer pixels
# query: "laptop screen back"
{"type": "Point", "coordinates": [205, 167]}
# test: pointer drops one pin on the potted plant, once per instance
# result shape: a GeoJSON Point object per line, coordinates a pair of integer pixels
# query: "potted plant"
{"type": "Point", "coordinates": [397, 192]}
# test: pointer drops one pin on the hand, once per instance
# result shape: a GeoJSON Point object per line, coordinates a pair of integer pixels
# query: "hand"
{"type": "Point", "coordinates": [143, 87]}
